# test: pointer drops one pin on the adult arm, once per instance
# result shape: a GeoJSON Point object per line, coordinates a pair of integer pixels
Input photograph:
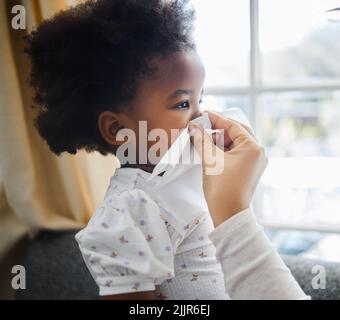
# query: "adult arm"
{"type": "Point", "coordinates": [252, 267]}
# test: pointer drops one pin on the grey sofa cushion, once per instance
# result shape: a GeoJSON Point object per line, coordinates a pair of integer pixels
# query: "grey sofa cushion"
{"type": "Point", "coordinates": [55, 270]}
{"type": "Point", "coordinates": [302, 269]}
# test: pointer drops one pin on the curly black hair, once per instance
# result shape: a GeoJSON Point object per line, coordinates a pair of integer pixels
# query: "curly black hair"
{"type": "Point", "coordinates": [91, 58]}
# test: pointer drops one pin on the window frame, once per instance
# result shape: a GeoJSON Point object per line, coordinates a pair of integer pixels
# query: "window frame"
{"type": "Point", "coordinates": [253, 91]}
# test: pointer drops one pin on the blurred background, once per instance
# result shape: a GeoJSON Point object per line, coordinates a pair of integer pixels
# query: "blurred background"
{"type": "Point", "coordinates": [277, 60]}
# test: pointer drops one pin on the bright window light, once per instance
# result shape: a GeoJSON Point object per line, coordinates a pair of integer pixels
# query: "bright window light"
{"type": "Point", "coordinates": [279, 61]}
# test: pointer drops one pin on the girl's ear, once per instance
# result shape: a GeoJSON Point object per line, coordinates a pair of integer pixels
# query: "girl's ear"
{"type": "Point", "coordinates": [109, 124]}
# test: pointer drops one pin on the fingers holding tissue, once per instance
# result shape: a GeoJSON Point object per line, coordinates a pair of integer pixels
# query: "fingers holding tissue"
{"type": "Point", "coordinates": [241, 159]}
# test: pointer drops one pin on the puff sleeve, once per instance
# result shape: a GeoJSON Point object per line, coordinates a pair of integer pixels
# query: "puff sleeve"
{"type": "Point", "coordinates": [126, 244]}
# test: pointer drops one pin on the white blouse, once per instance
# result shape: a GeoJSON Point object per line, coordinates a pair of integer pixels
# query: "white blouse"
{"type": "Point", "coordinates": [130, 245]}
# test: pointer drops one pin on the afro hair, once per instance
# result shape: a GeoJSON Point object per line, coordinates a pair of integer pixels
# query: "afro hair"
{"type": "Point", "coordinates": [91, 58]}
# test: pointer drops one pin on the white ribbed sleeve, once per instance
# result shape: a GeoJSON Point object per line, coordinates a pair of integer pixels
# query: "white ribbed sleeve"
{"type": "Point", "coordinates": [251, 265]}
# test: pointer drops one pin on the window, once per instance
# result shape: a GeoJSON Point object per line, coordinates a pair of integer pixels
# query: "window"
{"type": "Point", "coordinates": [279, 61]}
{"type": "Point", "coordinates": [216, 39]}
{"type": "Point", "coordinates": [298, 44]}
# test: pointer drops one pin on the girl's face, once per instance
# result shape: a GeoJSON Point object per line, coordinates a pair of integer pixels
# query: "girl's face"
{"type": "Point", "coordinates": [170, 99]}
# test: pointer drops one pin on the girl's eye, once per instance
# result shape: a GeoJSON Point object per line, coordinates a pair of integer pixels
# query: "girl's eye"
{"type": "Point", "coordinates": [183, 105]}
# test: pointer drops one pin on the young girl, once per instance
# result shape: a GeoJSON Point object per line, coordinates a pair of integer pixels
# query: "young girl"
{"type": "Point", "coordinates": [107, 65]}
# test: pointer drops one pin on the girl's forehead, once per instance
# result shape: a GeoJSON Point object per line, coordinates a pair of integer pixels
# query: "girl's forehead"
{"type": "Point", "coordinates": [184, 70]}
{"type": "Point", "coordinates": [179, 66]}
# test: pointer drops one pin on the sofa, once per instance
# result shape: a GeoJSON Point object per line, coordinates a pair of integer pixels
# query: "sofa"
{"type": "Point", "coordinates": [55, 271]}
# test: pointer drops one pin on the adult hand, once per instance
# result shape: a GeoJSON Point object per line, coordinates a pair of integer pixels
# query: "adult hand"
{"type": "Point", "coordinates": [243, 161]}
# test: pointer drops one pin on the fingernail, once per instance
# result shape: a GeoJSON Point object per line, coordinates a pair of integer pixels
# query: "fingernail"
{"type": "Point", "coordinates": [193, 131]}
{"type": "Point", "coordinates": [194, 125]}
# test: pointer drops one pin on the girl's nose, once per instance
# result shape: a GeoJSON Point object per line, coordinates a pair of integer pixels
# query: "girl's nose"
{"type": "Point", "coordinates": [196, 114]}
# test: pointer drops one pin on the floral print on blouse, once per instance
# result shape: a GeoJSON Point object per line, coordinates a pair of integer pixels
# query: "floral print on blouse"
{"type": "Point", "coordinates": [129, 245]}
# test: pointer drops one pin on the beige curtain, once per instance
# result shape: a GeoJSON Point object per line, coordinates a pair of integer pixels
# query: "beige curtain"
{"type": "Point", "coordinates": [37, 189]}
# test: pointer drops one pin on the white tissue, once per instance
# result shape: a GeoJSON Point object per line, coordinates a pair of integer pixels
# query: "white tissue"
{"type": "Point", "coordinates": [180, 154]}
{"type": "Point", "coordinates": [181, 184]}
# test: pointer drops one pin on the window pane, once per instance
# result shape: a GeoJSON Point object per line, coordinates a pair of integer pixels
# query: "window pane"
{"type": "Point", "coordinates": [302, 135]}
{"type": "Point", "coordinates": [312, 245]}
{"type": "Point", "coordinates": [221, 103]}
{"type": "Point", "coordinates": [301, 124]}
{"type": "Point", "coordinates": [222, 36]}
{"type": "Point", "coordinates": [299, 45]}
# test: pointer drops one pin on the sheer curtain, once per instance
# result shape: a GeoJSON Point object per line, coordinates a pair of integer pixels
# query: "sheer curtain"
{"type": "Point", "coordinates": [37, 189]}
